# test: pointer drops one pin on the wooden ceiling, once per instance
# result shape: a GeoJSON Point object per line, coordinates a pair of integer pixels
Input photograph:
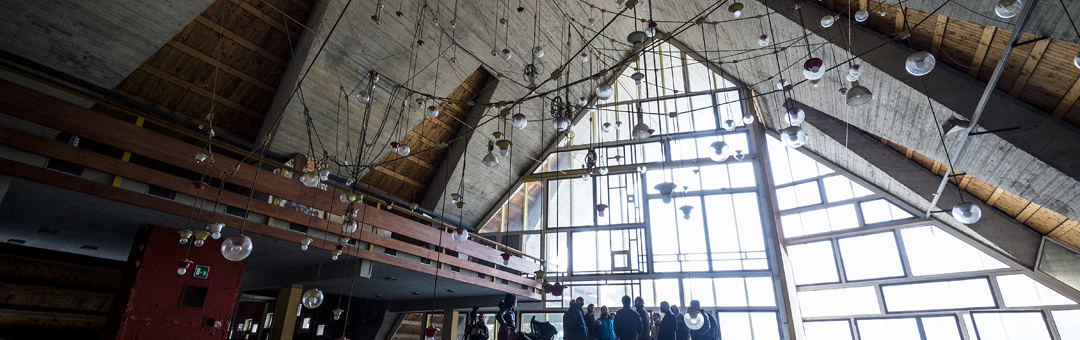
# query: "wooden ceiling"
{"type": "Point", "coordinates": [1039, 72]}
{"type": "Point", "coordinates": [408, 178]}
{"type": "Point", "coordinates": [229, 61]}
{"type": "Point", "coordinates": [1041, 219]}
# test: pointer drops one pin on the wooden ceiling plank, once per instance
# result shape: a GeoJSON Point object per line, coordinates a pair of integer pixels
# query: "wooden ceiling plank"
{"type": "Point", "coordinates": [264, 17]}
{"type": "Point", "coordinates": [1064, 228]}
{"type": "Point", "coordinates": [228, 69]}
{"type": "Point", "coordinates": [1029, 67]}
{"type": "Point", "coordinates": [941, 23]}
{"type": "Point", "coordinates": [899, 19]}
{"type": "Point", "coordinates": [241, 40]}
{"type": "Point", "coordinates": [1029, 210]}
{"type": "Point", "coordinates": [980, 52]}
{"type": "Point", "coordinates": [195, 118]}
{"type": "Point", "coordinates": [199, 90]}
{"type": "Point", "coordinates": [404, 179]}
{"type": "Point", "coordinates": [995, 196]}
{"type": "Point", "coordinates": [1067, 102]}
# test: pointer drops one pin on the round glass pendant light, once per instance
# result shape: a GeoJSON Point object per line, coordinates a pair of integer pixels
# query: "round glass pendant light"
{"type": "Point", "coordinates": [920, 63]}
{"type": "Point", "coordinates": [793, 136]}
{"type": "Point", "coordinates": [184, 265]}
{"type": "Point", "coordinates": [729, 125]}
{"type": "Point", "coordinates": [862, 15]}
{"type": "Point", "coordinates": [814, 69]}
{"type": "Point", "coordinates": [404, 150]}
{"type": "Point", "coordinates": [561, 124]}
{"type": "Point", "coordinates": [795, 115]}
{"type": "Point", "coordinates": [721, 151]}
{"type": "Point", "coordinates": [433, 111]}
{"type": "Point", "coordinates": [363, 97]}
{"type": "Point", "coordinates": [966, 213]}
{"type": "Point", "coordinates": [747, 119]}
{"type": "Point", "coordinates": [764, 40]}
{"type": "Point", "coordinates": [638, 77]}
{"type": "Point", "coordinates": [312, 298]}
{"type": "Point", "coordinates": [309, 179]}
{"type": "Point", "coordinates": [603, 170]}
{"type": "Point", "coordinates": [349, 227]}
{"type": "Point", "coordinates": [518, 121]}
{"type": "Point", "coordinates": [538, 51]}
{"type": "Point", "coordinates": [584, 57]}
{"type": "Point", "coordinates": [735, 9]}
{"type": "Point", "coordinates": [236, 247]}
{"type": "Point", "coordinates": [858, 95]}
{"type": "Point", "coordinates": [606, 127]}
{"type": "Point", "coordinates": [604, 92]}
{"type": "Point", "coordinates": [650, 31]}
{"type": "Point", "coordinates": [1008, 8]}
{"type": "Point", "coordinates": [827, 21]}
{"type": "Point", "coordinates": [506, 54]}
{"type": "Point", "coordinates": [459, 235]}
{"type": "Point", "coordinates": [641, 131]}
{"type": "Point", "coordinates": [586, 177]}
{"type": "Point", "coordinates": [324, 175]}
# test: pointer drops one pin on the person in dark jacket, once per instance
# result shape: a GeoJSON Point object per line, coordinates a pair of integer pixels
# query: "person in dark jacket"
{"type": "Point", "coordinates": [645, 316]}
{"type": "Point", "coordinates": [667, 324]}
{"type": "Point", "coordinates": [681, 331]}
{"type": "Point", "coordinates": [714, 327]}
{"type": "Point", "coordinates": [574, 322]}
{"type": "Point", "coordinates": [627, 322]}
{"type": "Point", "coordinates": [506, 318]}
{"type": "Point", "coordinates": [698, 322]}
{"type": "Point", "coordinates": [590, 321]}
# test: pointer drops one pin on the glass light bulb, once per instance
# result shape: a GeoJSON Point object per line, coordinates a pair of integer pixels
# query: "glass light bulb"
{"type": "Point", "coordinates": [303, 247]}
{"type": "Point", "coordinates": [506, 54]}
{"type": "Point", "coordinates": [490, 160]}
{"type": "Point", "coordinates": [363, 97]}
{"type": "Point", "coordinates": [236, 247]}
{"type": "Point", "coordinates": [920, 63]}
{"type": "Point", "coordinates": [309, 179]}
{"type": "Point", "coordinates": [606, 127]}
{"type": "Point", "coordinates": [642, 169]}
{"type": "Point", "coordinates": [793, 136]}
{"type": "Point", "coordinates": [519, 121]}
{"type": "Point", "coordinates": [199, 243]}
{"type": "Point", "coordinates": [1076, 60]}
{"type": "Point", "coordinates": [1008, 8]}
{"type": "Point", "coordinates": [795, 116]}
{"type": "Point", "coordinates": [827, 21]}
{"type": "Point", "coordinates": [764, 40]}
{"type": "Point", "coordinates": [603, 170]}
{"type": "Point", "coordinates": [433, 111]}
{"type": "Point", "coordinates": [586, 177]}
{"type": "Point", "coordinates": [736, 14]}
{"type": "Point", "coordinates": [748, 119]}
{"type": "Point", "coordinates": [721, 151]}
{"type": "Point", "coordinates": [862, 15]}
{"type": "Point", "coordinates": [604, 92]}
{"type": "Point", "coordinates": [729, 125]}
{"type": "Point", "coordinates": [650, 31]}
{"type": "Point", "coordinates": [584, 57]}
{"type": "Point", "coordinates": [312, 298]}
{"type": "Point", "coordinates": [200, 157]}
{"type": "Point", "coordinates": [404, 150]}
{"type": "Point", "coordinates": [184, 240]}
{"type": "Point", "coordinates": [215, 235]}
{"type": "Point", "coordinates": [349, 227]}
{"type": "Point", "coordinates": [181, 271]}
{"type": "Point", "coordinates": [538, 51]}
{"type": "Point", "coordinates": [561, 124]}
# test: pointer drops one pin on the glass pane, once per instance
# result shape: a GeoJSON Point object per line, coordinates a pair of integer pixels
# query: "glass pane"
{"type": "Point", "coordinates": [703, 291]}
{"type": "Point", "coordinates": [755, 326]}
{"type": "Point", "coordinates": [1011, 326]}
{"type": "Point", "coordinates": [839, 188]}
{"type": "Point", "coordinates": [744, 292]}
{"type": "Point", "coordinates": [819, 221]}
{"type": "Point", "coordinates": [1061, 263]}
{"type": "Point", "coordinates": [827, 330]}
{"type": "Point", "coordinates": [941, 328]}
{"type": "Point", "coordinates": [971, 293]}
{"type": "Point", "coordinates": [532, 244]}
{"type": "Point", "coordinates": [837, 302]}
{"type": "Point", "coordinates": [796, 196]}
{"type": "Point", "coordinates": [571, 203]}
{"type": "Point", "coordinates": [735, 232]}
{"type": "Point", "coordinates": [870, 256]}
{"type": "Point", "coordinates": [878, 211]}
{"type": "Point", "coordinates": [888, 329]}
{"type": "Point", "coordinates": [557, 252]}
{"type": "Point", "coordinates": [1021, 291]}
{"type": "Point", "coordinates": [932, 251]}
{"type": "Point", "coordinates": [515, 210]}
{"type": "Point", "coordinates": [813, 263]}
{"type": "Point", "coordinates": [1068, 323]}
{"type": "Point", "coordinates": [533, 205]}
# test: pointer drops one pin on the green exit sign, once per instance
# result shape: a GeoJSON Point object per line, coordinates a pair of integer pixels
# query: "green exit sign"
{"type": "Point", "coordinates": [201, 272]}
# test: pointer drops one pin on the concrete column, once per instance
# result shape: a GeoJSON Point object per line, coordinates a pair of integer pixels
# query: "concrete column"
{"type": "Point", "coordinates": [284, 324]}
{"type": "Point", "coordinates": [449, 326]}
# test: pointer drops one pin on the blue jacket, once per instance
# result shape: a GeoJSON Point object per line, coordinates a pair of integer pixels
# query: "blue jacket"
{"type": "Point", "coordinates": [606, 330]}
{"type": "Point", "coordinates": [574, 327]}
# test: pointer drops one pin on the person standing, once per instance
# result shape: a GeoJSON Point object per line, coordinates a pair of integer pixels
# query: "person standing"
{"type": "Point", "coordinates": [698, 322]}
{"type": "Point", "coordinates": [667, 328]}
{"type": "Point", "coordinates": [681, 331]}
{"type": "Point", "coordinates": [506, 318]}
{"type": "Point", "coordinates": [655, 329]}
{"type": "Point", "coordinates": [590, 321]}
{"type": "Point", "coordinates": [574, 322]}
{"type": "Point", "coordinates": [627, 322]}
{"type": "Point", "coordinates": [645, 317]}
{"type": "Point", "coordinates": [605, 325]}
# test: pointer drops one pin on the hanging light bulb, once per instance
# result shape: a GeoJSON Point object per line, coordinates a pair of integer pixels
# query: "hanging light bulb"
{"type": "Point", "coordinates": [665, 190]}
{"type": "Point", "coordinates": [795, 115]}
{"type": "Point", "coordinates": [460, 235]}
{"type": "Point", "coordinates": [600, 208]}
{"type": "Point", "coordinates": [429, 333]}
{"type": "Point", "coordinates": [540, 274]}
{"type": "Point", "coordinates": [337, 313]}
{"type": "Point", "coordinates": [433, 111]}
{"type": "Point", "coordinates": [586, 177]}
{"type": "Point", "coordinates": [853, 72]}
{"type": "Point", "coordinates": [506, 54]}
{"type": "Point", "coordinates": [1008, 8]}
{"type": "Point", "coordinates": [304, 242]}
{"type": "Point", "coordinates": [538, 51]}
{"type": "Point", "coordinates": [603, 171]}
{"type": "Point", "coordinates": [215, 229]}
{"type": "Point", "coordinates": [827, 21]}
{"type": "Point", "coordinates": [404, 150]}
{"type": "Point", "coordinates": [337, 251]}
{"type": "Point", "coordinates": [504, 147]}
{"type": "Point", "coordinates": [641, 130]}
{"type": "Point", "coordinates": [309, 179]}
{"type": "Point", "coordinates": [200, 237]}
{"type": "Point", "coordinates": [793, 136]}
{"type": "Point", "coordinates": [862, 15]}
{"type": "Point", "coordinates": [729, 125]}
{"type": "Point", "coordinates": [604, 92]}
{"type": "Point", "coordinates": [518, 121]}
{"type": "Point", "coordinates": [349, 227]}
{"type": "Point", "coordinates": [453, 24]}
{"type": "Point", "coordinates": [490, 160]}
{"type": "Point", "coordinates": [764, 40]}
{"type": "Point", "coordinates": [185, 236]}
{"type": "Point", "coordinates": [736, 9]}
{"type": "Point", "coordinates": [920, 63]}
{"type": "Point", "coordinates": [637, 77]}
{"type": "Point", "coordinates": [324, 175]}
{"type": "Point", "coordinates": [584, 57]}
{"type": "Point", "coordinates": [561, 124]}
{"type": "Point", "coordinates": [641, 169]}
{"type": "Point", "coordinates": [721, 151]}
{"type": "Point", "coordinates": [420, 102]}
{"type": "Point", "coordinates": [606, 127]}
{"type": "Point", "coordinates": [651, 30]}
{"type": "Point", "coordinates": [966, 213]}
{"type": "Point", "coordinates": [236, 248]}
{"type": "Point", "coordinates": [363, 97]}
{"type": "Point", "coordinates": [686, 209]}
{"type": "Point", "coordinates": [782, 83]}
{"type": "Point", "coordinates": [506, 257]}
{"type": "Point", "coordinates": [395, 146]}
{"type": "Point", "coordinates": [200, 157]}
{"type": "Point", "coordinates": [312, 298]}
{"type": "Point", "coordinates": [814, 69]}
{"type": "Point", "coordinates": [184, 265]}
{"type": "Point", "coordinates": [455, 198]}
{"type": "Point", "coordinates": [747, 118]}
{"type": "Point", "coordinates": [858, 95]}
{"type": "Point", "coordinates": [739, 155]}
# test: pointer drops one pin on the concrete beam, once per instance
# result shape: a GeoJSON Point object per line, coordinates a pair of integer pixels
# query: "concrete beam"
{"type": "Point", "coordinates": [1016, 239]}
{"type": "Point", "coordinates": [437, 189]}
{"type": "Point", "coordinates": [462, 303]}
{"type": "Point", "coordinates": [1051, 18]}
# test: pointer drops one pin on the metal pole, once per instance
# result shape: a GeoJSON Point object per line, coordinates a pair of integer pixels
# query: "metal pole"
{"type": "Point", "coordinates": [982, 101]}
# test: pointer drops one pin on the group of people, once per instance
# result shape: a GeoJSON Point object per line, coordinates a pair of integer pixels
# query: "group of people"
{"type": "Point", "coordinates": [636, 323]}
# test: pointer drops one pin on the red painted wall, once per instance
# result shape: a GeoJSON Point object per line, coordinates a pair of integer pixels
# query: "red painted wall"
{"type": "Point", "coordinates": [147, 304]}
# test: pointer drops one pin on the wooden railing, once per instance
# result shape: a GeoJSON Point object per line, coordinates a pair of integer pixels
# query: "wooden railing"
{"type": "Point", "coordinates": [39, 108]}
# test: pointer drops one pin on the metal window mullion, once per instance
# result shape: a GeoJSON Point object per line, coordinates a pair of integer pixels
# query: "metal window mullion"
{"type": "Point", "coordinates": [838, 260]}
{"type": "Point", "coordinates": [1051, 325]}
{"type": "Point", "coordinates": [995, 291]}
{"type": "Point", "coordinates": [903, 254]}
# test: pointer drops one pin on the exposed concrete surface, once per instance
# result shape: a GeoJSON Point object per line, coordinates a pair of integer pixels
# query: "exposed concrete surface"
{"type": "Point", "coordinates": [1052, 20]}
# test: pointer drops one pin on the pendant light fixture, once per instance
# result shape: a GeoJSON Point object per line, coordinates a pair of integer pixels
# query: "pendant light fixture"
{"type": "Point", "coordinates": [349, 227]}
{"type": "Point", "coordinates": [827, 21]}
{"type": "Point", "coordinates": [538, 51]}
{"type": "Point", "coordinates": [236, 247]}
{"type": "Point", "coordinates": [729, 125]}
{"type": "Point", "coordinates": [459, 235]}
{"type": "Point", "coordinates": [793, 136]}
{"type": "Point", "coordinates": [764, 40]}
{"type": "Point", "coordinates": [404, 150]}
{"type": "Point", "coordinates": [518, 121]}
{"type": "Point", "coordinates": [324, 175]}
{"type": "Point", "coordinates": [489, 159]}
{"type": "Point", "coordinates": [1008, 8]}
{"type": "Point", "coordinates": [736, 9]}
{"type": "Point", "coordinates": [604, 92]}
{"type": "Point", "coordinates": [200, 157]}
{"type": "Point", "coordinates": [641, 130]}
{"type": "Point", "coordinates": [309, 179]}
{"type": "Point", "coordinates": [215, 229]}
{"type": "Point", "coordinates": [433, 111]}
{"type": "Point", "coordinates": [304, 242]}
{"type": "Point", "coordinates": [721, 151]}
{"type": "Point", "coordinates": [665, 190]}
{"type": "Point", "coordinates": [312, 298]}
{"type": "Point", "coordinates": [503, 143]}
{"type": "Point", "coordinates": [200, 237]}
{"type": "Point", "coordinates": [185, 236]}
{"type": "Point", "coordinates": [185, 264]}
{"type": "Point", "coordinates": [507, 54]}
{"type": "Point", "coordinates": [854, 72]}
{"type": "Point", "coordinates": [686, 209]}
{"type": "Point", "coordinates": [920, 63]}
{"type": "Point", "coordinates": [814, 70]}
{"type": "Point", "coordinates": [858, 95]}
{"type": "Point", "coordinates": [363, 97]}
{"type": "Point", "coordinates": [337, 313]}
{"type": "Point", "coordinates": [862, 15]}
{"type": "Point", "coordinates": [795, 115]}
{"type": "Point", "coordinates": [967, 212]}
{"type": "Point", "coordinates": [747, 118]}
{"type": "Point", "coordinates": [1076, 60]}
{"type": "Point", "coordinates": [600, 208]}
{"type": "Point", "coordinates": [638, 77]}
